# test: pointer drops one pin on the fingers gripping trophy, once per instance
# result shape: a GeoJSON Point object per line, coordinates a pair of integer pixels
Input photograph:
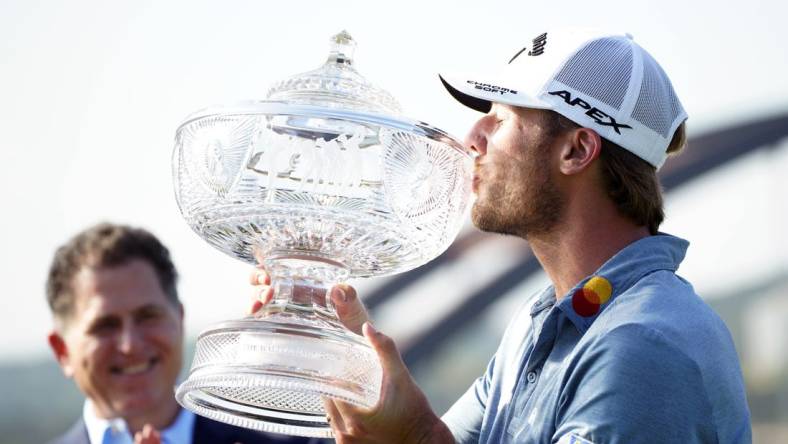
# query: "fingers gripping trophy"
{"type": "Point", "coordinates": [323, 181]}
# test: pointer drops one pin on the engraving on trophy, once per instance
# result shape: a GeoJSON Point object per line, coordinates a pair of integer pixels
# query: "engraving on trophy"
{"type": "Point", "coordinates": [219, 149]}
{"type": "Point", "coordinates": [214, 159]}
{"type": "Point", "coordinates": [339, 166]}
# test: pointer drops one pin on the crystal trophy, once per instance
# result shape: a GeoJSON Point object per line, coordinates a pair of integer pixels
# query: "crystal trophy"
{"type": "Point", "coordinates": [323, 181]}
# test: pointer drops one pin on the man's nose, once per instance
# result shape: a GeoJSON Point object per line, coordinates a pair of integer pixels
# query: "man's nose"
{"type": "Point", "coordinates": [476, 140]}
{"type": "Point", "coordinates": [130, 338]}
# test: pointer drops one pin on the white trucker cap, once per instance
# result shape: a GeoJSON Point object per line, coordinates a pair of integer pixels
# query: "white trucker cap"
{"type": "Point", "coordinates": [603, 81]}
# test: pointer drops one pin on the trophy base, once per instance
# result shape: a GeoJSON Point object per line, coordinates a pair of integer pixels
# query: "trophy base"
{"type": "Point", "coordinates": [272, 374]}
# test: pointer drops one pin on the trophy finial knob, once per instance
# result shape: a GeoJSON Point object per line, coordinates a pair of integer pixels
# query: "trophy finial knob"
{"type": "Point", "coordinates": [342, 48]}
{"type": "Point", "coordinates": [336, 84]}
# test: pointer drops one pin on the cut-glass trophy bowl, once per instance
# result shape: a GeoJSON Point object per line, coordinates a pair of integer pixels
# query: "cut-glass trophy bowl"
{"type": "Point", "coordinates": [321, 182]}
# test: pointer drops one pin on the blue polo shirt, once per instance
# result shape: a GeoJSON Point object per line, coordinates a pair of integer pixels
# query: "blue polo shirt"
{"type": "Point", "coordinates": [630, 355]}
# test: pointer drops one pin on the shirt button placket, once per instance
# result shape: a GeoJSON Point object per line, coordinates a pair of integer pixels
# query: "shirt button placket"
{"type": "Point", "coordinates": [531, 377]}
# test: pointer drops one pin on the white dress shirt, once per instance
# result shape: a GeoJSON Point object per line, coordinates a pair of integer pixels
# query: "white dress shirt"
{"type": "Point", "coordinates": [115, 431]}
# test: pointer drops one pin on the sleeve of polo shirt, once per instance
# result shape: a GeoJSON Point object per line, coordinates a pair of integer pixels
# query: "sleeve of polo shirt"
{"type": "Point", "coordinates": [464, 418]}
{"type": "Point", "coordinates": [631, 386]}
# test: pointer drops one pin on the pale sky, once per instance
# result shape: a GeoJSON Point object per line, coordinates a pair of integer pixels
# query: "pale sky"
{"type": "Point", "coordinates": [92, 93]}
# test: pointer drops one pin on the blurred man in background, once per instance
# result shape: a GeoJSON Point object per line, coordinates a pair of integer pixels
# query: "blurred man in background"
{"type": "Point", "coordinates": [118, 334]}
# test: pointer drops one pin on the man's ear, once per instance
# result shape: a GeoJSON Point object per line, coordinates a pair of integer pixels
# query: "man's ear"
{"type": "Point", "coordinates": [581, 147]}
{"type": "Point", "coordinates": [60, 350]}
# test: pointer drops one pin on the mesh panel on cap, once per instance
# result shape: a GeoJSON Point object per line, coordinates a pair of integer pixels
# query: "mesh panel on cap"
{"type": "Point", "coordinates": [606, 82]}
{"type": "Point", "coordinates": [657, 105]}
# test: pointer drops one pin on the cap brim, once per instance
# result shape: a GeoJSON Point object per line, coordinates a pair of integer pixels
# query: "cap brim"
{"type": "Point", "coordinates": [469, 94]}
{"type": "Point", "coordinates": [472, 102]}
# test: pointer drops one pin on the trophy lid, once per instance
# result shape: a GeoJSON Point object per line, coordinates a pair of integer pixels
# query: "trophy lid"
{"type": "Point", "coordinates": [329, 101]}
{"type": "Point", "coordinates": [336, 84]}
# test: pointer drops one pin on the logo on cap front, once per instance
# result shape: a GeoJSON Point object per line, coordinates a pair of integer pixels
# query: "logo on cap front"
{"type": "Point", "coordinates": [599, 116]}
{"type": "Point", "coordinates": [491, 88]}
{"type": "Point", "coordinates": [537, 48]}
{"type": "Point", "coordinates": [539, 44]}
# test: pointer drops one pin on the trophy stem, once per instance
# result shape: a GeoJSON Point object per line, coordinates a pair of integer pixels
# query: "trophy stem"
{"type": "Point", "coordinates": [301, 284]}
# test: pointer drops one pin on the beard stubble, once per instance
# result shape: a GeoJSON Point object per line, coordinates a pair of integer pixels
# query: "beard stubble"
{"type": "Point", "coordinates": [524, 201]}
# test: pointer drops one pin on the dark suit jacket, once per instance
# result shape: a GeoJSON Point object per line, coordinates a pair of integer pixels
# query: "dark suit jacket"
{"type": "Point", "coordinates": [206, 431]}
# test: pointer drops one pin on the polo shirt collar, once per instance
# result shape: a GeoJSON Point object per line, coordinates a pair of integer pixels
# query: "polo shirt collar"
{"type": "Point", "coordinates": [592, 295]}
